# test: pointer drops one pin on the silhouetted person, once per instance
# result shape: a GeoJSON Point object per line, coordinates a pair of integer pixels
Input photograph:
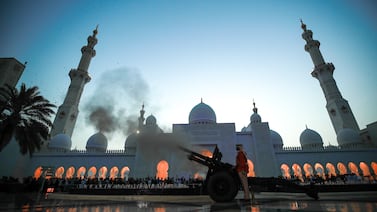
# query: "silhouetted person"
{"type": "Point", "coordinates": [242, 169]}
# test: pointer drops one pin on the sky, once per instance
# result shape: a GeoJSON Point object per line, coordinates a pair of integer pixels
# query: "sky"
{"type": "Point", "coordinates": [170, 54]}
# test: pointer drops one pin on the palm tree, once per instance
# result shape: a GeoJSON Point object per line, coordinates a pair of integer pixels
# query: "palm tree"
{"type": "Point", "coordinates": [25, 115]}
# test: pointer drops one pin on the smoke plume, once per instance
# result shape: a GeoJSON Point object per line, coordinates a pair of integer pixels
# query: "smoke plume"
{"type": "Point", "coordinates": [116, 100]}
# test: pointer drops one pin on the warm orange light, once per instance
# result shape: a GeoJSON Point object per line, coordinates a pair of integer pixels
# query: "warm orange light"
{"type": "Point", "coordinates": [285, 171]}
{"type": "Point", "coordinates": [206, 153]}
{"type": "Point", "coordinates": [251, 172]}
{"type": "Point", "coordinates": [38, 172]}
{"type": "Point", "coordinates": [308, 170]}
{"type": "Point", "coordinates": [342, 168]}
{"type": "Point", "coordinates": [162, 170]}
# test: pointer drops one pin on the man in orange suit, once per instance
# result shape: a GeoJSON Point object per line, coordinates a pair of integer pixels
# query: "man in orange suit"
{"type": "Point", "coordinates": [242, 169]}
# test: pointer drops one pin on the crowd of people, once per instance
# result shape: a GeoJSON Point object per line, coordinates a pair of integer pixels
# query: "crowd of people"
{"type": "Point", "coordinates": [64, 185]}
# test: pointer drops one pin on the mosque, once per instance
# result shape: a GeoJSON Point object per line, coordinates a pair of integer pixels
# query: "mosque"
{"type": "Point", "coordinates": [150, 152]}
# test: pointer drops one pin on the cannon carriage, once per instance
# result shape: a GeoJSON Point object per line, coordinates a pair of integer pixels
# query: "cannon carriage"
{"type": "Point", "coordinates": [222, 182]}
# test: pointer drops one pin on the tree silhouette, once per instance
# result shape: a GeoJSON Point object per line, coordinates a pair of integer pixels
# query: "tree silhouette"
{"type": "Point", "coordinates": [24, 115]}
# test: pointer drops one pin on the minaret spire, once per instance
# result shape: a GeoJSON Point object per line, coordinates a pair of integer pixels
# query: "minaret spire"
{"type": "Point", "coordinates": [338, 108]}
{"type": "Point", "coordinates": [66, 116]}
{"type": "Point", "coordinates": [141, 118]}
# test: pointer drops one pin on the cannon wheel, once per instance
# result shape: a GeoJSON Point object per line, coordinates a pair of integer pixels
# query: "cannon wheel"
{"type": "Point", "coordinates": [222, 187]}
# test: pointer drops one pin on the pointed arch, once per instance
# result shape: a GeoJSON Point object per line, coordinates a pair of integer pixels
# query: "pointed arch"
{"type": "Point", "coordinates": [320, 171]}
{"type": "Point", "coordinates": [285, 171]}
{"type": "Point", "coordinates": [297, 171]}
{"type": "Point", "coordinates": [162, 170]}
{"type": "Point", "coordinates": [124, 173]}
{"type": "Point", "coordinates": [374, 167]}
{"type": "Point", "coordinates": [70, 172]}
{"type": "Point", "coordinates": [102, 172]}
{"type": "Point", "coordinates": [251, 172]}
{"type": "Point", "coordinates": [114, 172]}
{"type": "Point", "coordinates": [308, 170]}
{"type": "Point", "coordinates": [59, 172]}
{"type": "Point", "coordinates": [341, 168]}
{"type": "Point", "coordinates": [206, 152]}
{"type": "Point", "coordinates": [38, 172]}
{"type": "Point", "coordinates": [365, 170]}
{"type": "Point", "coordinates": [353, 168]}
{"type": "Point", "coordinates": [330, 170]}
{"type": "Point", "coordinates": [92, 172]}
{"type": "Point", "coordinates": [81, 172]}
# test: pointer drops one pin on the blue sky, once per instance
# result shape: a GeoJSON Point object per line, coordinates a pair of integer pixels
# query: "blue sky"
{"type": "Point", "coordinates": [170, 54]}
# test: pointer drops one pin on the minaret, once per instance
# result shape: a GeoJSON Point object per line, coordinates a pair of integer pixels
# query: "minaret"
{"type": "Point", "coordinates": [141, 118]}
{"type": "Point", "coordinates": [338, 108]}
{"type": "Point", "coordinates": [66, 116]}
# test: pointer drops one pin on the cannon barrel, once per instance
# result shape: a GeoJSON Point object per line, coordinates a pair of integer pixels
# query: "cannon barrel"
{"type": "Point", "coordinates": [213, 163]}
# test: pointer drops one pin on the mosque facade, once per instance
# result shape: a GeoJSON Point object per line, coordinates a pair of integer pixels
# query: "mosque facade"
{"type": "Point", "coordinates": [150, 152]}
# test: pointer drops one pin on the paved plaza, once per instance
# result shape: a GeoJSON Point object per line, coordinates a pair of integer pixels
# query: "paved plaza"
{"type": "Point", "coordinates": [266, 201]}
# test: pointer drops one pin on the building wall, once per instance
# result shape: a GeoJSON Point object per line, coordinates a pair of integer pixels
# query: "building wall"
{"type": "Point", "coordinates": [10, 71]}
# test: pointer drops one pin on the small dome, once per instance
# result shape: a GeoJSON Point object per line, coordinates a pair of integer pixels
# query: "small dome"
{"type": "Point", "coordinates": [97, 143]}
{"type": "Point", "coordinates": [202, 114]}
{"type": "Point", "coordinates": [348, 136]}
{"type": "Point", "coordinates": [310, 138]}
{"type": "Point", "coordinates": [255, 118]}
{"type": "Point", "coordinates": [131, 141]}
{"type": "Point", "coordinates": [60, 141]}
{"type": "Point", "coordinates": [276, 138]}
{"type": "Point", "coordinates": [151, 120]}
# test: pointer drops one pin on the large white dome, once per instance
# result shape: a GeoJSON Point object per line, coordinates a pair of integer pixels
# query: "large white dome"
{"type": "Point", "coordinates": [60, 141]}
{"type": "Point", "coordinates": [310, 138]}
{"type": "Point", "coordinates": [347, 137]}
{"type": "Point", "coordinates": [202, 114]}
{"type": "Point", "coordinates": [97, 143]}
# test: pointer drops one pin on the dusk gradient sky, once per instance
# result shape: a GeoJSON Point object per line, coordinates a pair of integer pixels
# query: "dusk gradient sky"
{"type": "Point", "coordinates": [168, 54]}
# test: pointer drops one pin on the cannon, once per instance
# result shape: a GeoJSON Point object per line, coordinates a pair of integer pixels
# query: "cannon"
{"type": "Point", "coordinates": [222, 181]}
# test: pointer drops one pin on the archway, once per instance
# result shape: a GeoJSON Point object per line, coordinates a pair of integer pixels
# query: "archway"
{"type": "Point", "coordinates": [124, 173]}
{"type": "Point", "coordinates": [251, 172]}
{"type": "Point", "coordinates": [308, 170]}
{"type": "Point", "coordinates": [207, 153]}
{"type": "Point", "coordinates": [297, 172]}
{"type": "Point", "coordinates": [285, 172]}
{"type": "Point", "coordinates": [353, 168]}
{"type": "Point", "coordinates": [341, 168]}
{"type": "Point", "coordinates": [102, 172]}
{"type": "Point", "coordinates": [162, 170]}
{"type": "Point", "coordinates": [92, 172]}
{"type": "Point", "coordinates": [59, 172]}
{"type": "Point", "coordinates": [70, 172]}
{"type": "Point", "coordinates": [81, 172]}
{"type": "Point", "coordinates": [320, 171]}
{"type": "Point", "coordinates": [365, 169]}
{"type": "Point", "coordinates": [38, 172]}
{"type": "Point", "coordinates": [114, 172]}
{"type": "Point", "coordinates": [330, 170]}
{"type": "Point", "coordinates": [374, 167]}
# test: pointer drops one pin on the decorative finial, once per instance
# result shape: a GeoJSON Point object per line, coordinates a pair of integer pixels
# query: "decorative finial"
{"type": "Point", "coordinates": [142, 106]}
{"type": "Point", "coordinates": [255, 109]}
{"type": "Point", "coordinates": [306, 126]}
{"type": "Point", "coordinates": [95, 32]}
{"type": "Point", "coordinates": [201, 100]}
{"type": "Point", "coordinates": [303, 26]}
